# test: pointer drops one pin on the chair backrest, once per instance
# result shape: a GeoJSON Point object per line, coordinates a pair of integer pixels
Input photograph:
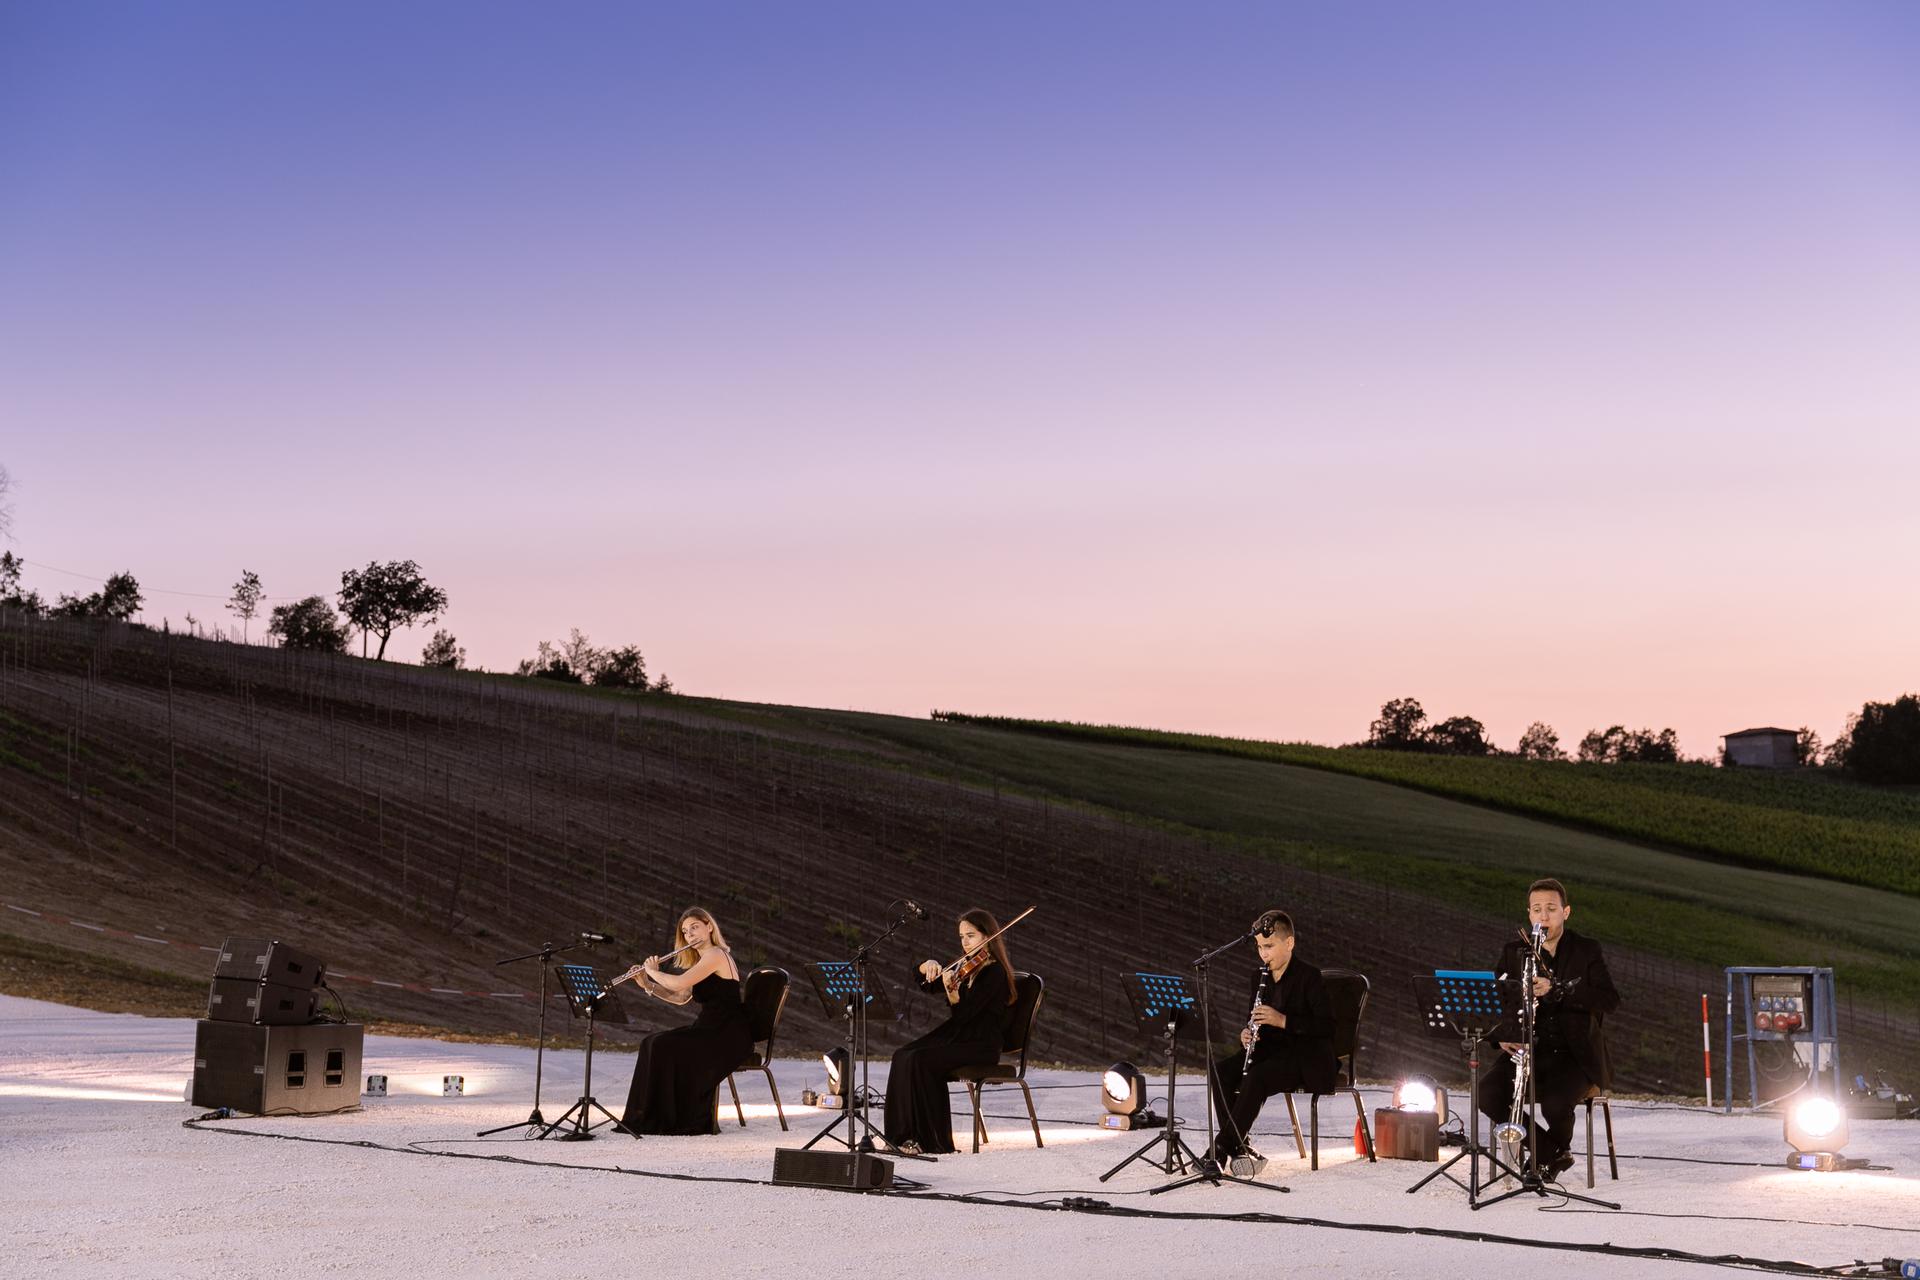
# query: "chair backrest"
{"type": "Point", "coordinates": [764, 994]}
{"type": "Point", "coordinates": [1028, 989]}
{"type": "Point", "coordinates": [1347, 992]}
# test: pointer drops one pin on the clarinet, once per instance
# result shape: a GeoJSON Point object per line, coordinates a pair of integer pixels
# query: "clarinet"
{"type": "Point", "coordinates": [1253, 1038]}
{"type": "Point", "coordinates": [1250, 1163]}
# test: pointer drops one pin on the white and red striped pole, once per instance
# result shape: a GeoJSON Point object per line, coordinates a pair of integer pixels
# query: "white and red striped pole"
{"type": "Point", "coordinates": [1706, 1049]}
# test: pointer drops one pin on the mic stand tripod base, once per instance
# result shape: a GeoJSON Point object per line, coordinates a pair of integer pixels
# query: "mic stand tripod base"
{"type": "Point", "coordinates": [1531, 1181]}
{"type": "Point", "coordinates": [1208, 1170]}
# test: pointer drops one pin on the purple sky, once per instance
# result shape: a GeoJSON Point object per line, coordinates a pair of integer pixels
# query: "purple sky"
{"type": "Point", "coordinates": [1216, 367]}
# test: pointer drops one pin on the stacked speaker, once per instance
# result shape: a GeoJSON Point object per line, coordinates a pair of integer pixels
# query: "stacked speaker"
{"type": "Point", "coordinates": [263, 1048]}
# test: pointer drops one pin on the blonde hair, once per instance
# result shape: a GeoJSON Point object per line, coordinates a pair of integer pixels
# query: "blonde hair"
{"type": "Point", "coordinates": [684, 953]}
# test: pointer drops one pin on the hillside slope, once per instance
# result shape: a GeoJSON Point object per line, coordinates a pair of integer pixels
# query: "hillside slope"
{"type": "Point", "coordinates": [415, 826]}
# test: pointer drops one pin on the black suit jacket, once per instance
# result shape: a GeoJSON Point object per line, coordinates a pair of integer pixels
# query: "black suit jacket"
{"type": "Point", "coordinates": [1583, 993]}
{"type": "Point", "coordinates": [1301, 994]}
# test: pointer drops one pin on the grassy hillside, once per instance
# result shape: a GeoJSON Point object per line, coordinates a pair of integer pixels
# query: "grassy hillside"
{"type": "Point", "coordinates": [414, 826]}
{"type": "Point", "coordinates": [1815, 826]}
{"type": "Point", "coordinates": [1469, 856]}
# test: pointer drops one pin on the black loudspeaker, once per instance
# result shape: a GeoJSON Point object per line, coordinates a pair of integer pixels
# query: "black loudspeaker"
{"type": "Point", "coordinates": [277, 1070]}
{"type": "Point", "coordinates": [245, 1000]}
{"type": "Point", "coordinates": [267, 961]}
{"type": "Point", "coordinates": [845, 1170]}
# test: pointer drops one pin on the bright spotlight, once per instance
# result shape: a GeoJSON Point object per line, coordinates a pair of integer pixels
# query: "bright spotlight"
{"type": "Point", "coordinates": [836, 1062]}
{"type": "Point", "coordinates": [1123, 1092]}
{"type": "Point", "coordinates": [1421, 1093]}
{"type": "Point", "coordinates": [1816, 1129]}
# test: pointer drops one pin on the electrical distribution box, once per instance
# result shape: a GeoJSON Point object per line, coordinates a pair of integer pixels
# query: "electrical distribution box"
{"type": "Point", "coordinates": [1784, 1016]}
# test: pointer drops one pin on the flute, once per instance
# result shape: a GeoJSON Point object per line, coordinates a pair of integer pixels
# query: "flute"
{"type": "Point", "coordinates": [639, 976]}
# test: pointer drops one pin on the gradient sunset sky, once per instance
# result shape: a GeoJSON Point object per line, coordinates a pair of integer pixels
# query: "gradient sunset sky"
{"type": "Point", "coordinates": [1224, 367]}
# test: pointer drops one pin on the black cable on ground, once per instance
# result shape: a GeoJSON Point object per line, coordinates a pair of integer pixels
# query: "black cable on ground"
{"type": "Point", "coordinates": [1089, 1204]}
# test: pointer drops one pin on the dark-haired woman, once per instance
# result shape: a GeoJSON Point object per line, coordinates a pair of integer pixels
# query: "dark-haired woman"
{"type": "Point", "coordinates": [680, 1070]}
{"type": "Point", "coordinates": [919, 1114]}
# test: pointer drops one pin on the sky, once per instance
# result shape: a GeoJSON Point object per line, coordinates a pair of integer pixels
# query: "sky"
{"type": "Point", "coordinates": [1221, 367]}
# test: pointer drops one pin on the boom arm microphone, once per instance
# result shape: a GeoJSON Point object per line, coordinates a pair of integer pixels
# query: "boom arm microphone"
{"type": "Point", "coordinates": [916, 908]}
{"type": "Point", "coordinates": [598, 937]}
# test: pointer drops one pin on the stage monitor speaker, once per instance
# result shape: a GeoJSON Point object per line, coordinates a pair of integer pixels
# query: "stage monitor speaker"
{"type": "Point", "coordinates": [267, 1070]}
{"type": "Point", "coordinates": [265, 960]}
{"type": "Point", "coordinates": [843, 1170]}
{"type": "Point", "coordinates": [245, 1000]}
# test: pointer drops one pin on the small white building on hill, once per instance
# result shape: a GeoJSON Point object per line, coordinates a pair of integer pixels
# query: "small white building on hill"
{"type": "Point", "coordinates": [1762, 748]}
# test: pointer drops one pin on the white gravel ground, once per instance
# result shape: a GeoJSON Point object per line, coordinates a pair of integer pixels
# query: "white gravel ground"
{"type": "Point", "coordinates": [98, 1177]}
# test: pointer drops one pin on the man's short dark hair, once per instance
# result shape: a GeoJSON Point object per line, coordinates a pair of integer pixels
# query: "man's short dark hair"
{"type": "Point", "coordinates": [1275, 923]}
{"type": "Point", "coordinates": [1549, 885]}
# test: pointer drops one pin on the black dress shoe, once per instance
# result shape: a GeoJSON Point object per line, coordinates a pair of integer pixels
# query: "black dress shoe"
{"type": "Point", "coordinates": [1554, 1166]}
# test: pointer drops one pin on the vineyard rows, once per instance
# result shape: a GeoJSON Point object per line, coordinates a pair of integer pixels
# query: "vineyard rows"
{"type": "Point", "coordinates": [418, 824]}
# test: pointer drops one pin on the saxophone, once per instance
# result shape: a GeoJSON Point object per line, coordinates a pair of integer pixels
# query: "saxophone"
{"type": "Point", "coordinates": [1512, 1132]}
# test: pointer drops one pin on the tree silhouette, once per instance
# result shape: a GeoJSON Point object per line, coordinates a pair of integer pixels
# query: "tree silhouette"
{"type": "Point", "coordinates": [622, 668]}
{"type": "Point", "coordinates": [443, 651]}
{"type": "Point", "coordinates": [11, 596]}
{"type": "Point", "coordinates": [1402, 726]}
{"type": "Point", "coordinates": [246, 599]}
{"type": "Point", "coordinates": [382, 598]}
{"type": "Point", "coordinates": [1459, 736]}
{"type": "Point", "coordinates": [1620, 745]}
{"type": "Point", "coordinates": [1540, 742]}
{"type": "Point", "coordinates": [1882, 743]}
{"type": "Point", "coordinates": [117, 600]}
{"type": "Point", "coordinates": [1806, 747]}
{"type": "Point", "coordinates": [308, 624]}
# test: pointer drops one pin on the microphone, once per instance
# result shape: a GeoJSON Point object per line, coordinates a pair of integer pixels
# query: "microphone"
{"type": "Point", "coordinates": [915, 907]}
{"type": "Point", "coordinates": [597, 937]}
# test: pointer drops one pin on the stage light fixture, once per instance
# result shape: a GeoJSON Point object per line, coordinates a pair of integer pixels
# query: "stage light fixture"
{"type": "Point", "coordinates": [837, 1062]}
{"type": "Point", "coordinates": [1421, 1093]}
{"type": "Point", "coordinates": [1123, 1092]}
{"type": "Point", "coordinates": [1816, 1129]}
{"type": "Point", "coordinates": [453, 1086]}
{"type": "Point", "coordinates": [376, 1087]}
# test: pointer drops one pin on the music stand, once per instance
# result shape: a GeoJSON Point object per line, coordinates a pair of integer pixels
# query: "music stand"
{"type": "Point", "coordinates": [587, 997]}
{"type": "Point", "coordinates": [1164, 1001]}
{"type": "Point", "coordinates": [1528, 1178]}
{"type": "Point", "coordinates": [1463, 1004]}
{"type": "Point", "coordinates": [845, 993]}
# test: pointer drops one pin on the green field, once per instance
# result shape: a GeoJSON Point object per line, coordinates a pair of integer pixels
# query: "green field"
{"type": "Point", "coordinates": [1815, 826]}
{"type": "Point", "coordinates": [1656, 897]}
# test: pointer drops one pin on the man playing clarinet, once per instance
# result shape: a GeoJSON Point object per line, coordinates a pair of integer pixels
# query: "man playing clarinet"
{"type": "Point", "coordinates": [1287, 1045]}
{"type": "Point", "coordinates": [1573, 992]}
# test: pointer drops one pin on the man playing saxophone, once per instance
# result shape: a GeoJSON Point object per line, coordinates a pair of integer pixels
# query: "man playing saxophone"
{"type": "Point", "coordinates": [1572, 993]}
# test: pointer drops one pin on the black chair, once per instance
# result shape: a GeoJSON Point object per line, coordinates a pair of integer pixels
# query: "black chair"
{"type": "Point", "coordinates": [764, 994]}
{"type": "Point", "coordinates": [1602, 1093]}
{"type": "Point", "coordinates": [1012, 1067]}
{"type": "Point", "coordinates": [1347, 992]}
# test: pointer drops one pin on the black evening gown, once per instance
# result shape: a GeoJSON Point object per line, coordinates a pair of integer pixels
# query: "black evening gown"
{"type": "Point", "coordinates": [680, 1069]}
{"type": "Point", "coordinates": [918, 1106]}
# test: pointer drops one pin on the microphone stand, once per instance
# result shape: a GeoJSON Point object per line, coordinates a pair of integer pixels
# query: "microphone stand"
{"type": "Point", "coordinates": [1529, 1177]}
{"type": "Point", "coordinates": [861, 959]}
{"type": "Point", "coordinates": [545, 955]}
{"type": "Point", "coordinates": [1207, 1169]}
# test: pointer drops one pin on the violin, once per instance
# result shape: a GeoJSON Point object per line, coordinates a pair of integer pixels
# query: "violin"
{"type": "Point", "coordinates": [979, 958]}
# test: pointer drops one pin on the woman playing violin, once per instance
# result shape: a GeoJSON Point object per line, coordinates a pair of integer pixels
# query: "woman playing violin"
{"type": "Point", "coordinates": [680, 1070]}
{"type": "Point", "coordinates": [979, 992]}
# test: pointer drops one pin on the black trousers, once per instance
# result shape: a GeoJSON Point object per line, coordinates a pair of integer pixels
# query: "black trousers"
{"type": "Point", "coordinates": [919, 1108]}
{"type": "Point", "coordinates": [1237, 1107]}
{"type": "Point", "coordinates": [1559, 1084]}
